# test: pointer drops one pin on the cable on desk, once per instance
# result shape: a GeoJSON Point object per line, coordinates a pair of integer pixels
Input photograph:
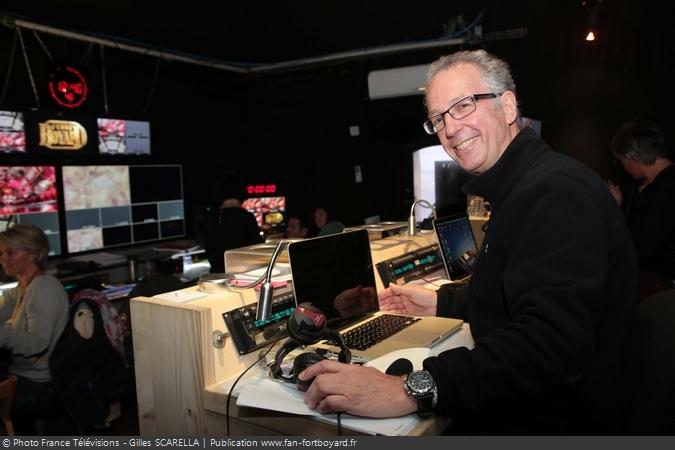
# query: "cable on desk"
{"type": "Point", "coordinates": [229, 394]}
{"type": "Point", "coordinates": [430, 282]}
{"type": "Point", "coordinates": [463, 280]}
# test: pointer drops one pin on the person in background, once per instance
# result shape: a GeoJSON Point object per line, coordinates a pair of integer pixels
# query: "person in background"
{"type": "Point", "coordinates": [296, 228]}
{"type": "Point", "coordinates": [553, 292]}
{"type": "Point", "coordinates": [33, 315]}
{"type": "Point", "coordinates": [228, 225]}
{"type": "Point", "coordinates": [640, 146]}
{"type": "Point", "coordinates": [324, 223]}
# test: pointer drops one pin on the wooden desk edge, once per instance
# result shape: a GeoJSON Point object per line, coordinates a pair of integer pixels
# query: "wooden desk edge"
{"type": "Point", "coordinates": [293, 424]}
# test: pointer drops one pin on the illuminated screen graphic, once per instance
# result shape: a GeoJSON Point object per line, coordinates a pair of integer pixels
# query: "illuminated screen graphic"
{"type": "Point", "coordinates": [123, 137]}
{"type": "Point", "coordinates": [29, 195]}
{"type": "Point", "coordinates": [12, 133]}
{"type": "Point", "coordinates": [109, 206]}
{"type": "Point", "coordinates": [458, 246]}
{"type": "Point", "coordinates": [268, 211]}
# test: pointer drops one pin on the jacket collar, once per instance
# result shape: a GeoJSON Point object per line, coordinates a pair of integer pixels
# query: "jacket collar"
{"type": "Point", "coordinates": [496, 183]}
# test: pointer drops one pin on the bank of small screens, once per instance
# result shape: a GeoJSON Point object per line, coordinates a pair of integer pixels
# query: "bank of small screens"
{"type": "Point", "coordinates": [107, 206]}
{"type": "Point", "coordinates": [29, 194]}
{"type": "Point", "coordinates": [270, 212]}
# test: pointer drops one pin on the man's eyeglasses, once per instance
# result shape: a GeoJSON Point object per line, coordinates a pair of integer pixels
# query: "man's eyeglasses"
{"type": "Point", "coordinates": [457, 111]}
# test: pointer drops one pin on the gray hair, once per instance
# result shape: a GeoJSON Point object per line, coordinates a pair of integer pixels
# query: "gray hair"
{"type": "Point", "coordinates": [640, 140]}
{"type": "Point", "coordinates": [27, 237]}
{"type": "Point", "coordinates": [495, 72]}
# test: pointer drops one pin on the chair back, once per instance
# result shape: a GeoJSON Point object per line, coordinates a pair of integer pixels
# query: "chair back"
{"type": "Point", "coordinates": [7, 390]}
{"type": "Point", "coordinates": [650, 368]}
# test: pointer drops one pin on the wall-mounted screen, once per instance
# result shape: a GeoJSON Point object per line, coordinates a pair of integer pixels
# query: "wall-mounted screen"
{"type": "Point", "coordinates": [437, 178]}
{"type": "Point", "coordinates": [123, 137]}
{"type": "Point", "coordinates": [108, 206]}
{"type": "Point", "coordinates": [12, 132]}
{"type": "Point", "coordinates": [270, 212]}
{"type": "Point", "coordinates": [28, 194]}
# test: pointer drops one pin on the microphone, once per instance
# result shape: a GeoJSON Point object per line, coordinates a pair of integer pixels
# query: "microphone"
{"type": "Point", "coordinates": [401, 366]}
{"type": "Point", "coordinates": [412, 223]}
{"type": "Point", "coordinates": [264, 310]}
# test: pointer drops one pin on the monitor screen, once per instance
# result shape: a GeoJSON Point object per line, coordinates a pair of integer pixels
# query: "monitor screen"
{"type": "Point", "coordinates": [123, 137]}
{"type": "Point", "coordinates": [458, 245]}
{"type": "Point", "coordinates": [109, 206]}
{"type": "Point", "coordinates": [12, 133]}
{"type": "Point", "coordinates": [29, 195]}
{"type": "Point", "coordinates": [438, 179]}
{"type": "Point", "coordinates": [270, 212]}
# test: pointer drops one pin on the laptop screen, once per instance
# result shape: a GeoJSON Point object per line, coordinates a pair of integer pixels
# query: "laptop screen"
{"type": "Point", "coordinates": [458, 246]}
{"type": "Point", "coordinates": [335, 273]}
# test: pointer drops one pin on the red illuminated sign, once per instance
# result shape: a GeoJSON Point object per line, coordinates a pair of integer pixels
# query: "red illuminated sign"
{"type": "Point", "coordinates": [261, 188]}
{"type": "Point", "coordinates": [67, 86]}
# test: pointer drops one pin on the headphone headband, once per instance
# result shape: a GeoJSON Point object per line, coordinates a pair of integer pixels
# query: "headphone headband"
{"type": "Point", "coordinates": [302, 332]}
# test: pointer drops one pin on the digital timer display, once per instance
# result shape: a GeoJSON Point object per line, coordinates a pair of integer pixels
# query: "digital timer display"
{"type": "Point", "coordinates": [261, 188]}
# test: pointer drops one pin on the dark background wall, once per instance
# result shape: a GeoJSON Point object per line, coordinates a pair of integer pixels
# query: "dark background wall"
{"type": "Point", "coordinates": [292, 127]}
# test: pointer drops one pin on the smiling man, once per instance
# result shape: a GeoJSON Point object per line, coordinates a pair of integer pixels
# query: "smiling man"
{"type": "Point", "coordinates": [552, 294]}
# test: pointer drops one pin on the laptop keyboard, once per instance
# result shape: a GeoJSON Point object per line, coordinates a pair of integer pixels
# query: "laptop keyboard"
{"type": "Point", "coordinates": [375, 331]}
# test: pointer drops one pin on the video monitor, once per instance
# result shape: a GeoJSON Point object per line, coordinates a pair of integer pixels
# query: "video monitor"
{"type": "Point", "coordinates": [123, 137]}
{"type": "Point", "coordinates": [28, 194]}
{"type": "Point", "coordinates": [269, 212]}
{"type": "Point", "coordinates": [108, 206]}
{"type": "Point", "coordinates": [12, 132]}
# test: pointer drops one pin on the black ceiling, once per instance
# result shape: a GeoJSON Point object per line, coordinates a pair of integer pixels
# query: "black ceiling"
{"type": "Point", "coordinates": [255, 32]}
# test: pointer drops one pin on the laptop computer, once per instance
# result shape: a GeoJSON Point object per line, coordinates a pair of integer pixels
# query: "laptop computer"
{"type": "Point", "coordinates": [458, 245]}
{"type": "Point", "coordinates": [335, 273]}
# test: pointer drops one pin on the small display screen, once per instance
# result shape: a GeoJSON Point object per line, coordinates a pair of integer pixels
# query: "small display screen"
{"type": "Point", "coordinates": [28, 189]}
{"type": "Point", "coordinates": [123, 137]}
{"type": "Point", "coordinates": [274, 318]}
{"type": "Point", "coordinates": [264, 209]}
{"type": "Point", "coordinates": [28, 194]}
{"type": "Point", "coordinates": [12, 133]}
{"type": "Point", "coordinates": [430, 259]}
{"type": "Point", "coordinates": [458, 246]}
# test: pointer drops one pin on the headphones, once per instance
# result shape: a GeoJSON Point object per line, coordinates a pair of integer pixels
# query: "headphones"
{"type": "Point", "coordinates": [306, 326]}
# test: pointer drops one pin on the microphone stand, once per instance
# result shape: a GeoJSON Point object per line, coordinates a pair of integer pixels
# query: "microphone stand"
{"type": "Point", "coordinates": [412, 224]}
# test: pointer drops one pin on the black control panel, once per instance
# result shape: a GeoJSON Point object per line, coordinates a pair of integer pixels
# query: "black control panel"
{"type": "Point", "coordinates": [250, 334]}
{"type": "Point", "coordinates": [410, 266]}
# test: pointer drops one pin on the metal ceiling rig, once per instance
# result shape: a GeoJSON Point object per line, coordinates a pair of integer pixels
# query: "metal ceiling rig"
{"type": "Point", "coordinates": [260, 69]}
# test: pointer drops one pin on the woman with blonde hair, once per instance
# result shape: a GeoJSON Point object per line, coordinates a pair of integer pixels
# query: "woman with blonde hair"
{"type": "Point", "coordinates": [32, 316]}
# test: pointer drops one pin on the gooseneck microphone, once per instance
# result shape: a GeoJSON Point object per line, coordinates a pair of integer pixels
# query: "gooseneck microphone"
{"type": "Point", "coordinates": [264, 310]}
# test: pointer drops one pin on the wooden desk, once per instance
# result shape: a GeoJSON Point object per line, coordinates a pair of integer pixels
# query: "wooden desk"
{"type": "Point", "coordinates": [176, 361]}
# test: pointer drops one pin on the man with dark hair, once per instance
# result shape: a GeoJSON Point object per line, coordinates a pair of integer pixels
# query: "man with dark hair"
{"type": "Point", "coordinates": [640, 147]}
{"type": "Point", "coordinates": [228, 225]}
{"type": "Point", "coordinates": [553, 291]}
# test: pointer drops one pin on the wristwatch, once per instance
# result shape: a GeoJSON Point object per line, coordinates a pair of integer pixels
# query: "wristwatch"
{"type": "Point", "coordinates": [421, 386]}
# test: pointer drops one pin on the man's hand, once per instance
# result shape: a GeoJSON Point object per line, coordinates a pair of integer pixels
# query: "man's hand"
{"type": "Point", "coordinates": [357, 390]}
{"type": "Point", "coordinates": [615, 191]}
{"type": "Point", "coordinates": [355, 301]}
{"type": "Point", "coordinates": [408, 299]}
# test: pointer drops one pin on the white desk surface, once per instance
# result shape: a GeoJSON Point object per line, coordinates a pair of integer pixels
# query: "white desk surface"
{"type": "Point", "coordinates": [257, 389]}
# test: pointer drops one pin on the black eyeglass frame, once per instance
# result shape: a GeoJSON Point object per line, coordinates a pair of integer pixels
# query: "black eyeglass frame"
{"type": "Point", "coordinates": [428, 124]}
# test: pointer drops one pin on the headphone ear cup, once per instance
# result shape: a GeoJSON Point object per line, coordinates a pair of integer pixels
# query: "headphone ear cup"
{"type": "Point", "coordinates": [284, 350]}
{"type": "Point", "coordinates": [300, 363]}
{"type": "Point", "coordinates": [303, 336]}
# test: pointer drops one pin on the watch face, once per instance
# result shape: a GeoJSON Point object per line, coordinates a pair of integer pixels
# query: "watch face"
{"type": "Point", "coordinates": [420, 381]}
